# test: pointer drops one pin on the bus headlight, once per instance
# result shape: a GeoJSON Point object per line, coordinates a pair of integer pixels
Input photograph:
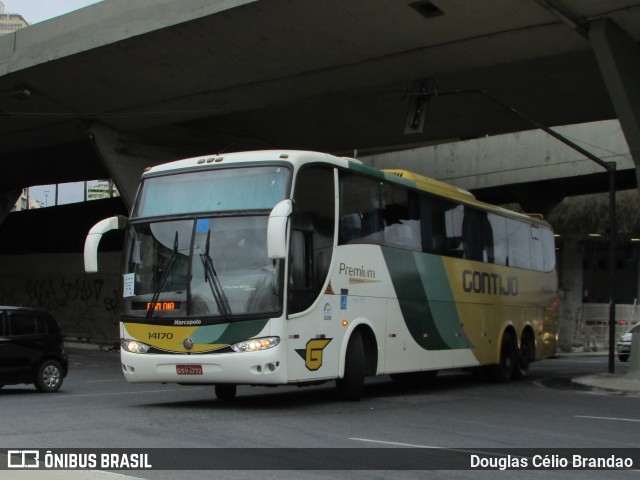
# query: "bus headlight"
{"type": "Point", "coordinates": [256, 344]}
{"type": "Point", "coordinates": [134, 346]}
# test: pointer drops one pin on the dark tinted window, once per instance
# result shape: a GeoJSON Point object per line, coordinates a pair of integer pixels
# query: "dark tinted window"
{"type": "Point", "coordinates": [361, 218]}
{"type": "Point", "coordinates": [19, 323]}
{"type": "Point", "coordinates": [380, 212]}
{"type": "Point", "coordinates": [401, 218]}
{"type": "Point", "coordinates": [312, 233]}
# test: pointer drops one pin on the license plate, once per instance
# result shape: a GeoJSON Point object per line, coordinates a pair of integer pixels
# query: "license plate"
{"type": "Point", "coordinates": [189, 369]}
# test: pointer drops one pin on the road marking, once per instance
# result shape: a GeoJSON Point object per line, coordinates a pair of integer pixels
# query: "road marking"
{"type": "Point", "coordinates": [397, 444]}
{"type": "Point", "coordinates": [608, 418]}
{"type": "Point", "coordinates": [411, 445]}
{"type": "Point", "coordinates": [136, 392]}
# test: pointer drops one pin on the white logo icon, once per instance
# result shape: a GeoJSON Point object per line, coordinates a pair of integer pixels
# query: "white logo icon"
{"type": "Point", "coordinates": [23, 458]}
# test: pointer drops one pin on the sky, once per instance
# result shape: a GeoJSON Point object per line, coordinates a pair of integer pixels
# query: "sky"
{"type": "Point", "coordinates": [34, 11]}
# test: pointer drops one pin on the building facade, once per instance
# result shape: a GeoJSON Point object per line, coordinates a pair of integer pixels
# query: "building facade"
{"type": "Point", "coordinates": [10, 22]}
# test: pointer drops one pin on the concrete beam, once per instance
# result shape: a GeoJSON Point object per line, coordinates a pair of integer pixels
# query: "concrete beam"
{"type": "Point", "coordinates": [125, 158]}
{"type": "Point", "coordinates": [101, 24]}
{"type": "Point", "coordinates": [516, 160]}
{"type": "Point", "coordinates": [618, 56]}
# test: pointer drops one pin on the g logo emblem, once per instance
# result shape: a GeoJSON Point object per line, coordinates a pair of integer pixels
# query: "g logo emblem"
{"type": "Point", "coordinates": [312, 355]}
{"type": "Point", "coordinates": [187, 344]}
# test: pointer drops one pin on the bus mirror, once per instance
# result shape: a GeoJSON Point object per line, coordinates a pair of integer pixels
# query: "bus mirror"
{"type": "Point", "coordinates": [93, 239]}
{"type": "Point", "coordinates": [277, 229]}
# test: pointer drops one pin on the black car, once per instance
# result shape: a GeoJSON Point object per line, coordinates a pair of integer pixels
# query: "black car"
{"type": "Point", "coordinates": [31, 349]}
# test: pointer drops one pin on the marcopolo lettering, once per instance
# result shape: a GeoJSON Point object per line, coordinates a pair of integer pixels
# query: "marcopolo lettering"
{"type": "Point", "coordinates": [489, 283]}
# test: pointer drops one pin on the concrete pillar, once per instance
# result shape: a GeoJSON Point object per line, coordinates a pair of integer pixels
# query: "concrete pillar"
{"type": "Point", "coordinates": [124, 163]}
{"type": "Point", "coordinates": [619, 58]}
{"type": "Point", "coordinates": [570, 292]}
{"type": "Point", "coordinates": [8, 199]}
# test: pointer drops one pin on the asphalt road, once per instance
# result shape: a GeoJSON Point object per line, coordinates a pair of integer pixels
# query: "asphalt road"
{"type": "Point", "coordinates": [96, 408]}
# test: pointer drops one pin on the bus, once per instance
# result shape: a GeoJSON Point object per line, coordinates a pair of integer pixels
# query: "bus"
{"type": "Point", "coordinates": [297, 268]}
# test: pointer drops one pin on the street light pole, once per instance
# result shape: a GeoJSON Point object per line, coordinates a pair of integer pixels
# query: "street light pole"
{"type": "Point", "coordinates": [427, 89]}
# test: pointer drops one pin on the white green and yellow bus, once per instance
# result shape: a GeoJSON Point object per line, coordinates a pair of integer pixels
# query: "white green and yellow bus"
{"type": "Point", "coordinates": [293, 267]}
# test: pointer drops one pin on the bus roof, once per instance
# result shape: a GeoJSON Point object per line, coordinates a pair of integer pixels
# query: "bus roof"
{"type": "Point", "coordinates": [300, 157]}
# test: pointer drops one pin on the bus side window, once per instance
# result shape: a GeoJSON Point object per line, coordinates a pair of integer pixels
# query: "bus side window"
{"type": "Point", "coordinates": [312, 233]}
{"type": "Point", "coordinates": [361, 210]}
{"type": "Point", "coordinates": [401, 222]}
{"type": "Point", "coordinates": [499, 227]}
{"type": "Point", "coordinates": [519, 235]}
{"type": "Point", "coordinates": [548, 249]}
{"type": "Point", "coordinates": [535, 249]}
{"type": "Point", "coordinates": [453, 218]}
{"type": "Point", "coordinates": [437, 225]}
{"type": "Point", "coordinates": [477, 235]}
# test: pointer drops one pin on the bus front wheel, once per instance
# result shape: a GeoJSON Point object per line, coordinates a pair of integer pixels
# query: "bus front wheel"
{"type": "Point", "coordinates": [226, 391]}
{"type": "Point", "coordinates": [351, 386]}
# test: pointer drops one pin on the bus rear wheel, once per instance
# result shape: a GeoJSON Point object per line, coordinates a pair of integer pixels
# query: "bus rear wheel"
{"type": "Point", "coordinates": [226, 391]}
{"type": "Point", "coordinates": [503, 371]}
{"type": "Point", "coordinates": [351, 386]}
{"type": "Point", "coordinates": [524, 356]}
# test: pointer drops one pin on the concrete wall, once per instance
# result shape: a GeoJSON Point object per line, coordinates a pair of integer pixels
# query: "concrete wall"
{"type": "Point", "coordinates": [86, 306]}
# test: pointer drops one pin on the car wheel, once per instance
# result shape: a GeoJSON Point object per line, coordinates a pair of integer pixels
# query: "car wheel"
{"type": "Point", "coordinates": [623, 357]}
{"type": "Point", "coordinates": [49, 377]}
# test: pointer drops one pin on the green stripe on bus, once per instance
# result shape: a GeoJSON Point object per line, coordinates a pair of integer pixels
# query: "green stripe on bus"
{"type": "Point", "coordinates": [425, 298]}
{"type": "Point", "coordinates": [239, 331]}
{"type": "Point", "coordinates": [435, 281]}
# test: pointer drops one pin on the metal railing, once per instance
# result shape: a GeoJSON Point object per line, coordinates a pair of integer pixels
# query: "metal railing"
{"type": "Point", "coordinates": [592, 329]}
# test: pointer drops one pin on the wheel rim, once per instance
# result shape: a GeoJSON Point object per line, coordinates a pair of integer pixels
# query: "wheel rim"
{"type": "Point", "coordinates": [51, 376]}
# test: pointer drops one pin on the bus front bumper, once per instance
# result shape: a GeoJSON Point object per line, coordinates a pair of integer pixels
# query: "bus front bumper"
{"type": "Point", "coordinates": [249, 368]}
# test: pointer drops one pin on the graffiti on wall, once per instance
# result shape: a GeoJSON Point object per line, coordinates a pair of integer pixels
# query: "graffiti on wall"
{"type": "Point", "coordinates": [86, 307]}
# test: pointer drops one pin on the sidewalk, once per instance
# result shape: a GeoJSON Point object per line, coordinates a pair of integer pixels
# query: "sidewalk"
{"type": "Point", "coordinates": [610, 382]}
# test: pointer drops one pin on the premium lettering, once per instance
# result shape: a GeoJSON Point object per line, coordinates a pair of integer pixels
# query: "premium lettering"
{"type": "Point", "coordinates": [360, 272]}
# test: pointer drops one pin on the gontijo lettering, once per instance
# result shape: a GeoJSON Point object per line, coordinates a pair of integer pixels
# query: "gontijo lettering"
{"type": "Point", "coordinates": [489, 283]}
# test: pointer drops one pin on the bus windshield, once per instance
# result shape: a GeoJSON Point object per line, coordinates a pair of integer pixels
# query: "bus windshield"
{"type": "Point", "coordinates": [220, 190]}
{"type": "Point", "coordinates": [203, 251]}
{"type": "Point", "coordinates": [202, 267]}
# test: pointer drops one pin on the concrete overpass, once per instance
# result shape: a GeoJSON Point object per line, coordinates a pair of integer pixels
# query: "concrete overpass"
{"type": "Point", "coordinates": [110, 89]}
{"type": "Point", "coordinates": [114, 87]}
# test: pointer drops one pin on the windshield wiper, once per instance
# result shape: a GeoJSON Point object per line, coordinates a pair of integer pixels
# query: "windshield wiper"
{"type": "Point", "coordinates": [211, 277]}
{"type": "Point", "coordinates": [165, 276]}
